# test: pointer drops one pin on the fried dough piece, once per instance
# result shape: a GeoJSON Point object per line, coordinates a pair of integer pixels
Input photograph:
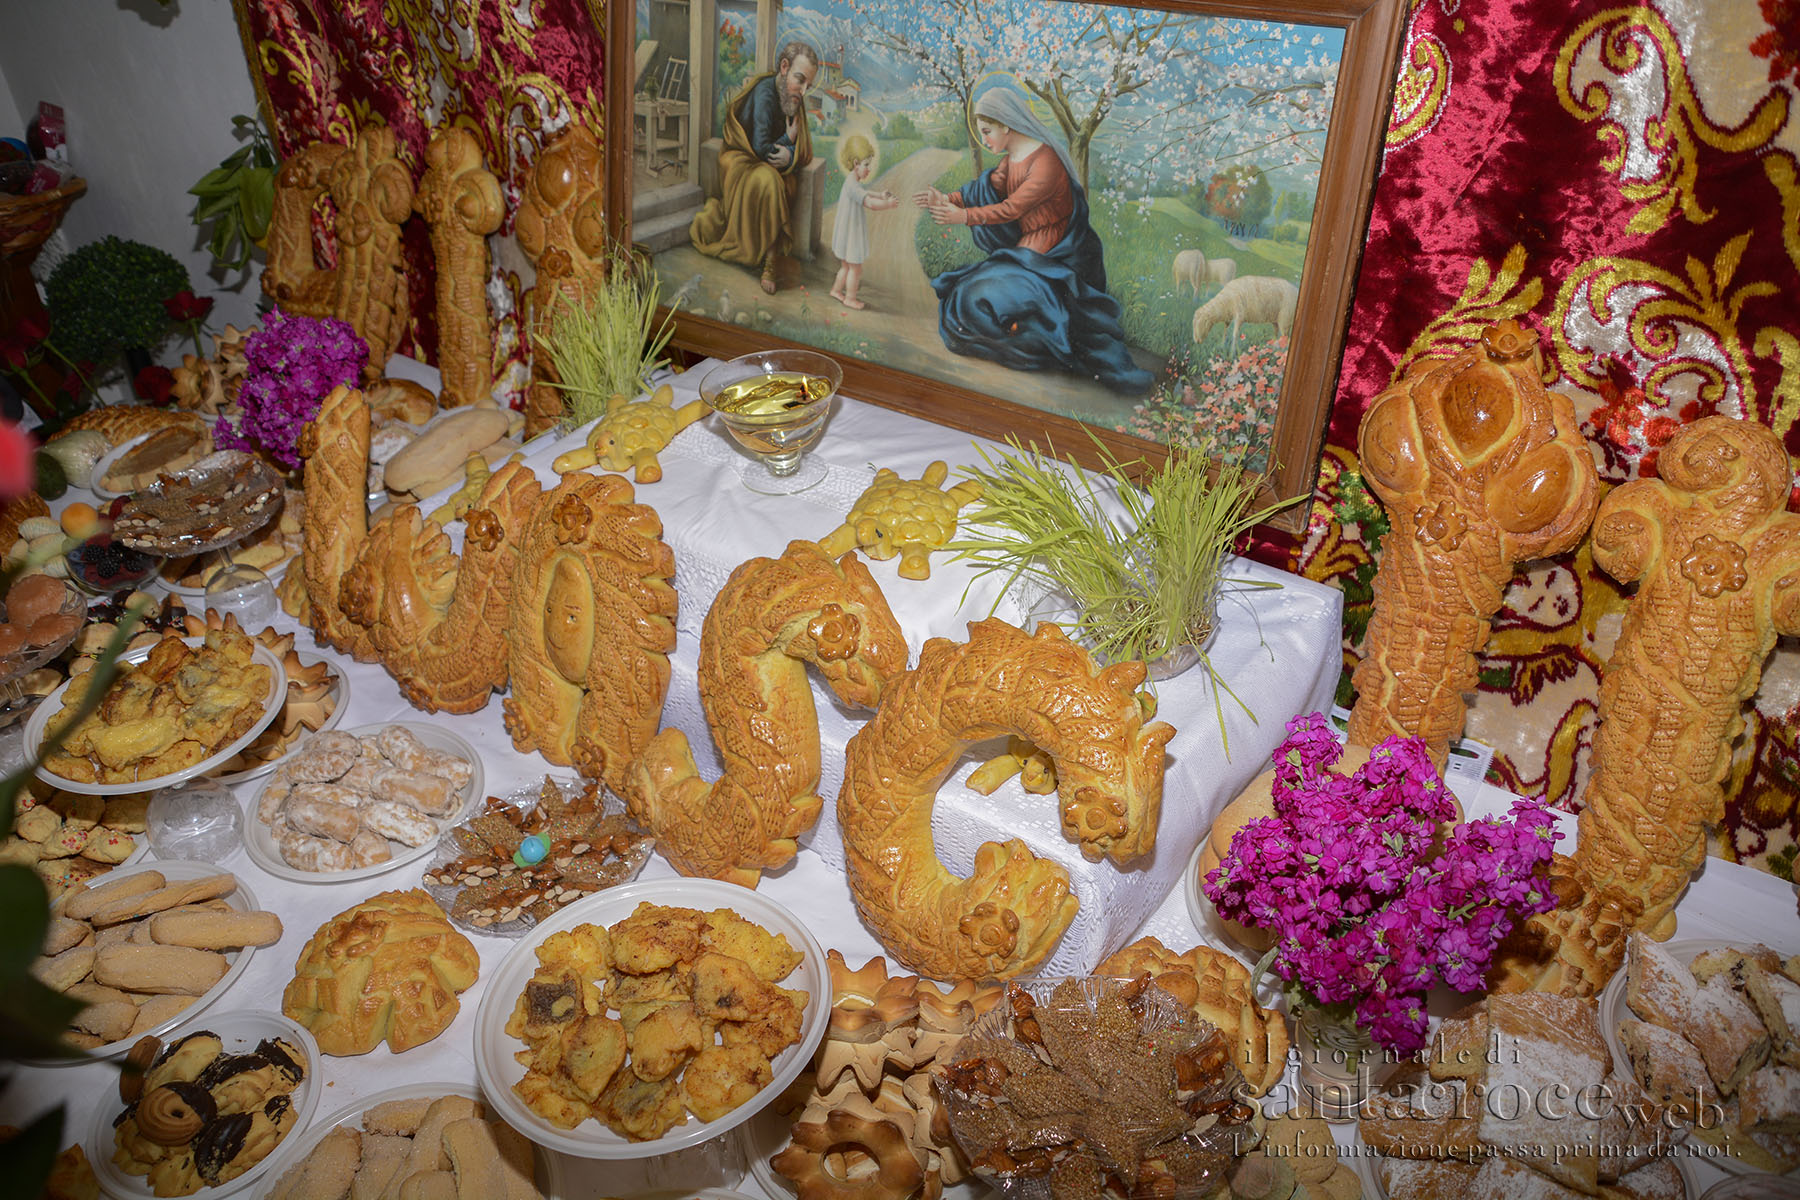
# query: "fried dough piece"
{"type": "Point", "coordinates": [587, 949]}
{"type": "Point", "coordinates": [655, 937]}
{"type": "Point", "coordinates": [658, 988]}
{"type": "Point", "coordinates": [723, 1077]}
{"type": "Point", "coordinates": [767, 954]}
{"type": "Point", "coordinates": [552, 1000]}
{"type": "Point", "coordinates": [593, 1050]}
{"type": "Point", "coordinates": [726, 989]}
{"type": "Point", "coordinates": [542, 1096]}
{"type": "Point", "coordinates": [642, 1110]}
{"type": "Point", "coordinates": [772, 1030]}
{"type": "Point", "coordinates": [667, 1038]}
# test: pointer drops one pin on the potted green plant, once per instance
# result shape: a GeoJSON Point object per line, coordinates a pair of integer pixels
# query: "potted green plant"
{"type": "Point", "coordinates": [108, 296]}
{"type": "Point", "coordinates": [237, 197]}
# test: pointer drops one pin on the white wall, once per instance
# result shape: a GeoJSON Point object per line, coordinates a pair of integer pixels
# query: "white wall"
{"type": "Point", "coordinates": [11, 123]}
{"type": "Point", "coordinates": [149, 93]}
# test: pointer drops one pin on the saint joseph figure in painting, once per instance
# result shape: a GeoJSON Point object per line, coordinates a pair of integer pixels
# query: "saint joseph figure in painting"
{"type": "Point", "coordinates": [766, 143]}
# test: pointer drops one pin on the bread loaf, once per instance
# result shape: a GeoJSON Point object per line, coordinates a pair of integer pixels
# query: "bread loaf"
{"type": "Point", "coordinates": [387, 969]}
{"type": "Point", "coordinates": [444, 447]}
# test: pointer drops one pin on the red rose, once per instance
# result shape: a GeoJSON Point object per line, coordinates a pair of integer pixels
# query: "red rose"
{"type": "Point", "coordinates": [34, 329]}
{"type": "Point", "coordinates": [185, 306]}
{"type": "Point", "coordinates": [18, 469]}
{"type": "Point", "coordinates": [155, 384]}
{"type": "Point", "coordinates": [12, 353]}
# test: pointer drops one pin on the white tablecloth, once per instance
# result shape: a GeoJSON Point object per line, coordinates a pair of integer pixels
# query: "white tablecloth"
{"type": "Point", "coordinates": [1278, 650]}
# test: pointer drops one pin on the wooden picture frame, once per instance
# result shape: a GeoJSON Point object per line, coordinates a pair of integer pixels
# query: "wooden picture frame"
{"type": "Point", "coordinates": [659, 105]}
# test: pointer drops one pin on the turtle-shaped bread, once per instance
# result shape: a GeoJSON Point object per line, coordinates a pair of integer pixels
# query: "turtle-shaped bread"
{"type": "Point", "coordinates": [630, 435]}
{"type": "Point", "coordinates": [908, 517]}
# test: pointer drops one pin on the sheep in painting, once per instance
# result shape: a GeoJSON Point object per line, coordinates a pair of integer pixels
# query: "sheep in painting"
{"type": "Point", "coordinates": [1220, 271]}
{"type": "Point", "coordinates": [1190, 271]}
{"type": "Point", "coordinates": [1250, 298]}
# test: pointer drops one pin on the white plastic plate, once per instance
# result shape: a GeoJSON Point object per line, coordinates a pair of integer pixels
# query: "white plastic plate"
{"type": "Point", "coordinates": [494, 1049]}
{"type": "Point", "coordinates": [259, 843]}
{"type": "Point", "coordinates": [175, 871]}
{"type": "Point", "coordinates": [240, 1031]}
{"type": "Point", "coordinates": [548, 1166]}
{"type": "Point", "coordinates": [52, 705]}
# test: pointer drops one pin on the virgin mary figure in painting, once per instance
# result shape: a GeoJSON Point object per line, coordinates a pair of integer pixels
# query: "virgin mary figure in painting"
{"type": "Point", "coordinates": [1038, 300]}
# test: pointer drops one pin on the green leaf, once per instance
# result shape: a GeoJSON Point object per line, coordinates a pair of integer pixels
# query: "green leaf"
{"type": "Point", "coordinates": [27, 1159]}
{"type": "Point", "coordinates": [219, 179]}
{"type": "Point", "coordinates": [258, 203]}
{"type": "Point", "coordinates": [27, 909]}
{"type": "Point", "coordinates": [215, 206]}
{"type": "Point", "coordinates": [32, 1020]}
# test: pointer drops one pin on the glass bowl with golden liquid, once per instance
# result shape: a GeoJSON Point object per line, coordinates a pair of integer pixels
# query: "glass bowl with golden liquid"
{"type": "Point", "coordinates": [774, 403]}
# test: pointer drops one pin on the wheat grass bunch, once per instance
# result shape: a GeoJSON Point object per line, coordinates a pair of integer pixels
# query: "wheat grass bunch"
{"type": "Point", "coordinates": [605, 343]}
{"type": "Point", "coordinates": [1142, 585]}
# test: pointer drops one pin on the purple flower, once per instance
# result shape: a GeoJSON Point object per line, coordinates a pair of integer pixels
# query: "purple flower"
{"type": "Point", "coordinates": [294, 363]}
{"type": "Point", "coordinates": [1369, 907]}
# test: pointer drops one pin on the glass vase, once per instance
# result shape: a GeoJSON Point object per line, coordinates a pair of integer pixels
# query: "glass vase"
{"type": "Point", "coordinates": [1340, 1065]}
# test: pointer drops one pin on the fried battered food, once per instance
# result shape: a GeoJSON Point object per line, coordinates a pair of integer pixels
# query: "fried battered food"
{"type": "Point", "coordinates": [723, 1077]}
{"type": "Point", "coordinates": [165, 714]}
{"type": "Point", "coordinates": [655, 937]}
{"type": "Point", "coordinates": [642, 1110]}
{"type": "Point", "coordinates": [665, 1039]}
{"type": "Point", "coordinates": [768, 954]}
{"type": "Point", "coordinates": [593, 1051]}
{"type": "Point", "coordinates": [700, 1017]}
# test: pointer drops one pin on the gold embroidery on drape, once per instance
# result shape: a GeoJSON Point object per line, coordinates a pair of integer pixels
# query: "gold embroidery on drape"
{"type": "Point", "coordinates": [1486, 297]}
{"type": "Point", "coordinates": [1675, 136]}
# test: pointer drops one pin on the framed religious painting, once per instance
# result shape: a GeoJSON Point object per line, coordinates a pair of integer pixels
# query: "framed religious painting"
{"type": "Point", "coordinates": [1046, 219]}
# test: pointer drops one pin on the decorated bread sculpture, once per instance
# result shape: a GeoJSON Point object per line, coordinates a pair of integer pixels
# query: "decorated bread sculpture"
{"type": "Point", "coordinates": [461, 202]}
{"type": "Point", "coordinates": [387, 969]}
{"type": "Point", "coordinates": [561, 226]}
{"type": "Point", "coordinates": [305, 176]}
{"type": "Point", "coordinates": [907, 517]}
{"type": "Point", "coordinates": [1005, 918]}
{"type": "Point", "coordinates": [1216, 987]}
{"type": "Point", "coordinates": [872, 1098]}
{"type": "Point", "coordinates": [629, 436]}
{"type": "Point", "coordinates": [591, 627]}
{"type": "Point", "coordinates": [373, 193]}
{"type": "Point", "coordinates": [336, 449]}
{"type": "Point", "coordinates": [122, 422]}
{"type": "Point", "coordinates": [1479, 467]}
{"type": "Point", "coordinates": [438, 622]}
{"type": "Point", "coordinates": [773, 616]}
{"type": "Point", "coordinates": [1717, 561]}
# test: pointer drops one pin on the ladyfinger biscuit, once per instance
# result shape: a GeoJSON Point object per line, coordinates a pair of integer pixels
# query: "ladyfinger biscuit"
{"type": "Point", "coordinates": [158, 1009]}
{"type": "Point", "coordinates": [98, 993]}
{"type": "Point", "coordinates": [109, 1022]}
{"type": "Point", "coordinates": [114, 935]}
{"type": "Point", "coordinates": [64, 933]}
{"type": "Point", "coordinates": [85, 904]}
{"type": "Point", "coordinates": [63, 971]}
{"type": "Point", "coordinates": [188, 891]}
{"type": "Point", "coordinates": [171, 970]}
{"type": "Point", "coordinates": [400, 1117]}
{"type": "Point", "coordinates": [216, 931]}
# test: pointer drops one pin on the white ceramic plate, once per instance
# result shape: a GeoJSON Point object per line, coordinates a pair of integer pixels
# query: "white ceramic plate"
{"type": "Point", "coordinates": [1613, 1010]}
{"type": "Point", "coordinates": [494, 1049]}
{"type": "Point", "coordinates": [240, 1032]}
{"type": "Point", "coordinates": [174, 871]}
{"type": "Point", "coordinates": [272, 702]}
{"type": "Point", "coordinates": [259, 843]}
{"type": "Point", "coordinates": [547, 1165]}
{"type": "Point", "coordinates": [340, 694]}
{"type": "Point", "coordinates": [104, 463]}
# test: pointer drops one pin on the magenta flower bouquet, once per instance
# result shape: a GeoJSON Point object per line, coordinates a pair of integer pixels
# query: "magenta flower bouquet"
{"type": "Point", "coordinates": [293, 364]}
{"type": "Point", "coordinates": [1369, 905]}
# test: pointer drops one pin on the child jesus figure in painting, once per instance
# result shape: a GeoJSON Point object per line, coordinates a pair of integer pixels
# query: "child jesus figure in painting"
{"type": "Point", "coordinates": [850, 237]}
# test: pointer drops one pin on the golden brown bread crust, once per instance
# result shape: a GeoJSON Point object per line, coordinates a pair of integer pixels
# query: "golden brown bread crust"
{"type": "Point", "coordinates": [559, 225]}
{"type": "Point", "coordinates": [772, 618]}
{"type": "Point", "coordinates": [1479, 467]}
{"type": "Point", "coordinates": [119, 423]}
{"type": "Point", "coordinates": [387, 969]}
{"type": "Point", "coordinates": [336, 449]}
{"type": "Point", "coordinates": [591, 626]}
{"type": "Point", "coordinates": [461, 202]}
{"type": "Point", "coordinates": [1006, 917]}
